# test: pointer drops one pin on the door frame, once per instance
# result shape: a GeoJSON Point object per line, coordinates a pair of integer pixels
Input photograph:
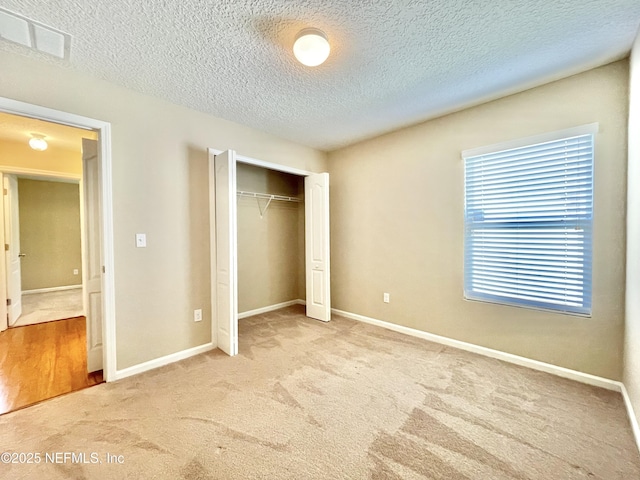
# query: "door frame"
{"type": "Point", "coordinates": [249, 161]}
{"type": "Point", "coordinates": [16, 107]}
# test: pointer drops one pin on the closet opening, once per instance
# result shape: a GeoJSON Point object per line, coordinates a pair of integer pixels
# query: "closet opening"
{"type": "Point", "coordinates": [270, 216]}
{"type": "Point", "coordinates": [270, 242]}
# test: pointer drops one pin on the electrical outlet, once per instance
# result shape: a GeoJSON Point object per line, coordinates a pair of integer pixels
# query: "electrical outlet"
{"type": "Point", "coordinates": [386, 298]}
{"type": "Point", "coordinates": [75, 271]}
{"type": "Point", "coordinates": [197, 315]}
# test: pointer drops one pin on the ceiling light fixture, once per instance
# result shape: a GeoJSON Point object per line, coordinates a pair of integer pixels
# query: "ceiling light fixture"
{"type": "Point", "coordinates": [37, 142]}
{"type": "Point", "coordinates": [311, 47]}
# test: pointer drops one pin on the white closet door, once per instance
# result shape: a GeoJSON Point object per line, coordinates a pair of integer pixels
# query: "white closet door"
{"type": "Point", "coordinates": [316, 188]}
{"type": "Point", "coordinates": [226, 306]}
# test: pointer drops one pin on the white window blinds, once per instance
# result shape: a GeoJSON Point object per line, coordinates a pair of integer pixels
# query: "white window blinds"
{"type": "Point", "coordinates": [528, 219]}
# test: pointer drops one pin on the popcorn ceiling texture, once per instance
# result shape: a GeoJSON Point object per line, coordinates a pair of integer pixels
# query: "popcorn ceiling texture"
{"type": "Point", "coordinates": [393, 63]}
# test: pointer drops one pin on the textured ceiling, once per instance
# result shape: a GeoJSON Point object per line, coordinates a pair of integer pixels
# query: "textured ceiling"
{"type": "Point", "coordinates": [19, 129]}
{"type": "Point", "coordinates": [393, 62]}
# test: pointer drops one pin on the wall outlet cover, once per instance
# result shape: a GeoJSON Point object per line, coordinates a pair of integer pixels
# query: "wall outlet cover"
{"type": "Point", "coordinates": [197, 315]}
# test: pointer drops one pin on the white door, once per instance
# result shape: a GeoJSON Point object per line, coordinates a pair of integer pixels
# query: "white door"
{"type": "Point", "coordinates": [316, 198]}
{"type": "Point", "coordinates": [4, 315]}
{"type": "Point", "coordinates": [225, 307]}
{"type": "Point", "coordinates": [91, 252]}
{"type": "Point", "coordinates": [12, 249]}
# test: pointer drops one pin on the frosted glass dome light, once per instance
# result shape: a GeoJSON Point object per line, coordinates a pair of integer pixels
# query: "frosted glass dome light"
{"type": "Point", "coordinates": [311, 47]}
{"type": "Point", "coordinates": [37, 142]}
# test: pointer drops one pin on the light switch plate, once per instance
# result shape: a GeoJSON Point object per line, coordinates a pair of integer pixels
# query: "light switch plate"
{"type": "Point", "coordinates": [141, 240]}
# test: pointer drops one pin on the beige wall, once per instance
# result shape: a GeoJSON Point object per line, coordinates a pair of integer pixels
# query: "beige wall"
{"type": "Point", "coordinates": [53, 159]}
{"type": "Point", "coordinates": [49, 233]}
{"type": "Point", "coordinates": [268, 247]}
{"type": "Point", "coordinates": [397, 224]}
{"type": "Point", "coordinates": [632, 331]}
{"type": "Point", "coordinates": [160, 187]}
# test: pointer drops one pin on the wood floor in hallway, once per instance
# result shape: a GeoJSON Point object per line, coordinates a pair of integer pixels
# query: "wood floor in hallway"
{"type": "Point", "coordinates": [42, 361]}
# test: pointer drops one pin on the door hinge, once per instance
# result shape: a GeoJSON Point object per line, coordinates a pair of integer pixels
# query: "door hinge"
{"type": "Point", "coordinates": [6, 247]}
{"type": "Point", "coordinates": [5, 191]}
{"type": "Point", "coordinates": [8, 302]}
{"type": "Point", "coordinates": [104, 270]}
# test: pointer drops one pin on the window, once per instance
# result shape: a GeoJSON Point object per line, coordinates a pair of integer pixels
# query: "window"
{"type": "Point", "coordinates": [528, 222]}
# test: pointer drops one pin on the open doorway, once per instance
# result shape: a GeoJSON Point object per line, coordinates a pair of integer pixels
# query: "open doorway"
{"type": "Point", "coordinates": [42, 226]}
{"type": "Point", "coordinates": [51, 338]}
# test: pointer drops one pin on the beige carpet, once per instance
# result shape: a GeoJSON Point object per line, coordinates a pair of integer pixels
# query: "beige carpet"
{"type": "Point", "coordinates": [344, 400]}
{"type": "Point", "coordinates": [49, 306]}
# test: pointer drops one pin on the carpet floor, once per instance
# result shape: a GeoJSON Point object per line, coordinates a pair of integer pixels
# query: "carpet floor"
{"type": "Point", "coordinates": [49, 306]}
{"type": "Point", "coordinates": [343, 400]}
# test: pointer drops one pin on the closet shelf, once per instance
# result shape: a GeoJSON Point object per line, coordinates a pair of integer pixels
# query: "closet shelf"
{"type": "Point", "coordinates": [266, 196]}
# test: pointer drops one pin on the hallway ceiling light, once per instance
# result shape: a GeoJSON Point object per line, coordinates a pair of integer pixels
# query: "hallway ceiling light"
{"type": "Point", "coordinates": [37, 142]}
{"type": "Point", "coordinates": [311, 47]}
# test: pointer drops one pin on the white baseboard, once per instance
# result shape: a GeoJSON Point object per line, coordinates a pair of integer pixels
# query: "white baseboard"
{"type": "Point", "coordinates": [161, 362]}
{"type": "Point", "coordinates": [488, 352]}
{"type": "Point", "coordinates": [269, 308]}
{"type": "Point", "coordinates": [174, 357]}
{"type": "Point", "coordinates": [635, 427]}
{"type": "Point", "coordinates": [51, 289]}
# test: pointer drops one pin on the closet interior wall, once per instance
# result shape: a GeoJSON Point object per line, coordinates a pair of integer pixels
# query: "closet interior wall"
{"type": "Point", "coordinates": [271, 267]}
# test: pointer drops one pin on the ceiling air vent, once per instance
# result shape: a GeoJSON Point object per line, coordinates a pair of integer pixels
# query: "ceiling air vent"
{"type": "Point", "coordinates": [24, 31]}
